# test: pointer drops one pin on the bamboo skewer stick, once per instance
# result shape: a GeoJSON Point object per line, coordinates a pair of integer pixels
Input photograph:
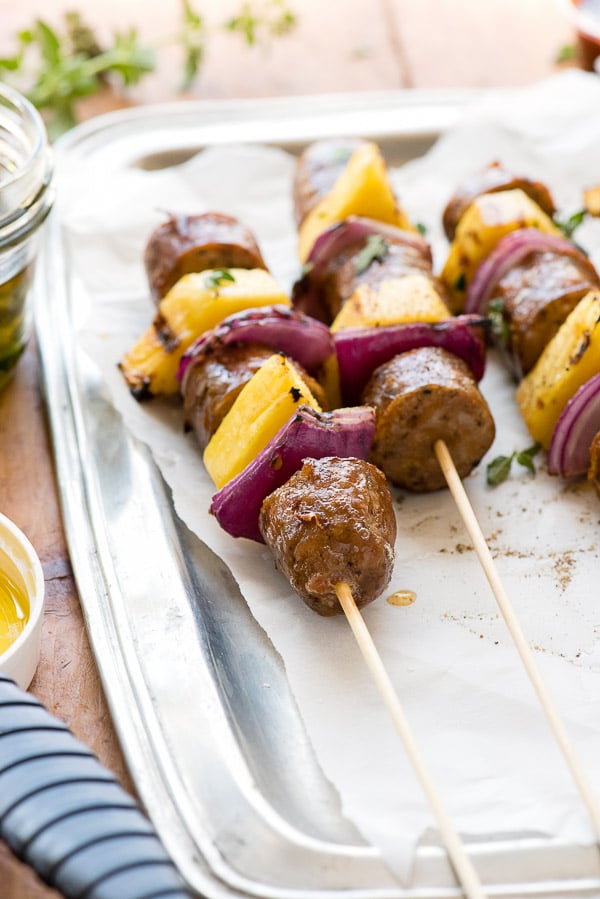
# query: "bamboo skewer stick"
{"type": "Point", "coordinates": [510, 617]}
{"type": "Point", "coordinates": [463, 867]}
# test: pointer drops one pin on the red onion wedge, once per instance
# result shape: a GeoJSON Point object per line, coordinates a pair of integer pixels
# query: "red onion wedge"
{"type": "Point", "coordinates": [508, 253]}
{"type": "Point", "coordinates": [285, 330]}
{"type": "Point", "coordinates": [360, 351]}
{"type": "Point", "coordinates": [308, 434]}
{"type": "Point", "coordinates": [352, 232]}
{"type": "Point", "coordinates": [579, 422]}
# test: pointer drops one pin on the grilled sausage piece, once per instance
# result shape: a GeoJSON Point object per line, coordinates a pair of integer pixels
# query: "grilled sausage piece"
{"type": "Point", "coordinates": [594, 469]}
{"type": "Point", "coordinates": [332, 521]}
{"type": "Point", "coordinates": [318, 168]}
{"type": "Point", "coordinates": [422, 396]}
{"type": "Point", "coordinates": [535, 298]}
{"type": "Point", "coordinates": [194, 243]}
{"type": "Point", "coordinates": [214, 380]}
{"type": "Point", "coordinates": [324, 295]}
{"type": "Point", "coordinates": [492, 179]}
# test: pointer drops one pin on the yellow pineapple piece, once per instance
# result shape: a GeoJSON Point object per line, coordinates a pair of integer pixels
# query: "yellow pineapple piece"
{"type": "Point", "coordinates": [412, 298]}
{"type": "Point", "coordinates": [263, 406]}
{"type": "Point", "coordinates": [570, 359]}
{"type": "Point", "coordinates": [362, 189]}
{"type": "Point", "coordinates": [591, 201]}
{"type": "Point", "coordinates": [195, 304]}
{"type": "Point", "coordinates": [488, 219]}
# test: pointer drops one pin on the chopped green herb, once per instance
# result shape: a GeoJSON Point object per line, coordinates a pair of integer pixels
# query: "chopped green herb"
{"type": "Point", "coordinates": [569, 226]}
{"type": "Point", "coordinates": [375, 248]}
{"type": "Point", "coordinates": [525, 457]}
{"type": "Point", "coordinates": [461, 282]}
{"type": "Point", "coordinates": [499, 468]}
{"type": "Point", "coordinates": [218, 277]}
{"type": "Point", "coordinates": [566, 53]}
{"type": "Point", "coordinates": [498, 324]}
{"type": "Point", "coordinates": [421, 228]}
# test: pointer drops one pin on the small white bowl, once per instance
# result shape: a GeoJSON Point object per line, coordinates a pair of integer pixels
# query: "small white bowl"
{"type": "Point", "coordinates": [19, 559]}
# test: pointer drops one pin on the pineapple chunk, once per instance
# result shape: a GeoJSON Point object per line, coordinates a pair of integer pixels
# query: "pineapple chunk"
{"type": "Point", "coordinates": [591, 201]}
{"type": "Point", "coordinates": [363, 189]}
{"type": "Point", "coordinates": [263, 406]}
{"type": "Point", "coordinates": [489, 218]}
{"type": "Point", "coordinates": [412, 298]}
{"type": "Point", "coordinates": [195, 304]}
{"type": "Point", "coordinates": [570, 359]}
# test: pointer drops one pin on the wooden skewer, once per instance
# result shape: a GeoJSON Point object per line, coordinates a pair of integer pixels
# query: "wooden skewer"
{"type": "Point", "coordinates": [463, 867]}
{"type": "Point", "coordinates": [485, 557]}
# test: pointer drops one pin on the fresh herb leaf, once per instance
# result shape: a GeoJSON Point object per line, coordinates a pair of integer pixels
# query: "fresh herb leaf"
{"type": "Point", "coordinates": [461, 282]}
{"type": "Point", "coordinates": [525, 457]}
{"type": "Point", "coordinates": [218, 277]}
{"type": "Point", "coordinates": [421, 228]}
{"type": "Point", "coordinates": [499, 469]}
{"type": "Point", "coordinates": [11, 63]}
{"type": "Point", "coordinates": [569, 226]}
{"type": "Point", "coordinates": [566, 53]}
{"type": "Point", "coordinates": [374, 249]}
{"type": "Point", "coordinates": [276, 21]}
{"type": "Point", "coordinates": [56, 67]}
{"type": "Point", "coordinates": [48, 42]}
{"type": "Point", "coordinates": [193, 40]}
{"type": "Point", "coordinates": [80, 38]}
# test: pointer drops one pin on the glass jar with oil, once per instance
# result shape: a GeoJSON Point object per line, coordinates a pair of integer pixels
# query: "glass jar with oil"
{"type": "Point", "coordinates": [25, 201]}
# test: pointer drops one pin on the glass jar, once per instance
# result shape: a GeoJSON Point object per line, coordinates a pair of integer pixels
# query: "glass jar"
{"type": "Point", "coordinates": [25, 201]}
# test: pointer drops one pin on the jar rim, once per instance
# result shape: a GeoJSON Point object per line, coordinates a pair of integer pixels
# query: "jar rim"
{"type": "Point", "coordinates": [21, 188]}
{"type": "Point", "coordinates": [33, 120]}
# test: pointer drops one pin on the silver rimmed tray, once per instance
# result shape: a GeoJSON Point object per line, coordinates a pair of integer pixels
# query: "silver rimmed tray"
{"type": "Point", "coordinates": [222, 765]}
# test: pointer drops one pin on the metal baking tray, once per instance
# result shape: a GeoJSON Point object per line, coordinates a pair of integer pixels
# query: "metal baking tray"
{"type": "Point", "coordinates": [223, 767]}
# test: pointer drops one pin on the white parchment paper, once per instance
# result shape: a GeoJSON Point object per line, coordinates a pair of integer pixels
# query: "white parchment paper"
{"type": "Point", "coordinates": [449, 654]}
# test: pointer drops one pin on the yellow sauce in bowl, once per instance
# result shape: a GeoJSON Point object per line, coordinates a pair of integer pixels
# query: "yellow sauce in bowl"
{"type": "Point", "coordinates": [14, 611]}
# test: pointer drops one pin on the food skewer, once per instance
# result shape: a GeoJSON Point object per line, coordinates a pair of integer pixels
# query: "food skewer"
{"type": "Point", "coordinates": [505, 605]}
{"type": "Point", "coordinates": [226, 508]}
{"type": "Point", "coordinates": [409, 259]}
{"type": "Point", "coordinates": [461, 863]}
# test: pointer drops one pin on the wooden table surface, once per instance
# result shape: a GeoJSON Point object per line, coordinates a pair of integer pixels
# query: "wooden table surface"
{"type": "Point", "coordinates": [343, 45]}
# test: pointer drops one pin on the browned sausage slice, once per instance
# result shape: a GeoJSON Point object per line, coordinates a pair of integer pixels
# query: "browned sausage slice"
{"type": "Point", "coordinates": [534, 299]}
{"type": "Point", "coordinates": [194, 243]}
{"type": "Point", "coordinates": [214, 380]}
{"type": "Point", "coordinates": [421, 396]}
{"type": "Point", "coordinates": [332, 521]}
{"type": "Point", "coordinates": [492, 179]}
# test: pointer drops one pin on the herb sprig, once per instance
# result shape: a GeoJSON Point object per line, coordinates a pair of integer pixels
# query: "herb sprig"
{"type": "Point", "coordinates": [57, 67]}
{"type": "Point", "coordinates": [218, 277]}
{"type": "Point", "coordinates": [569, 225]}
{"type": "Point", "coordinates": [499, 468]}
